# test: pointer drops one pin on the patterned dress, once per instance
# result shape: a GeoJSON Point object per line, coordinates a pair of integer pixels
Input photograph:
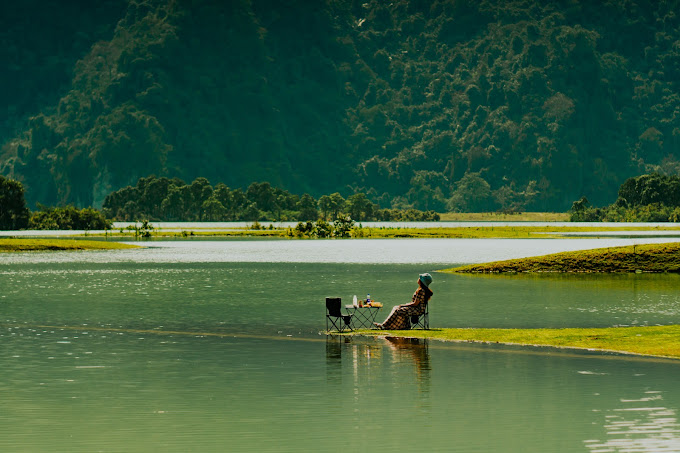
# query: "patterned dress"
{"type": "Point", "coordinates": [400, 317]}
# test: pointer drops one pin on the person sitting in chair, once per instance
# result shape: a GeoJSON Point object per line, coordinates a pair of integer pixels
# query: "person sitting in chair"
{"type": "Point", "coordinates": [400, 316]}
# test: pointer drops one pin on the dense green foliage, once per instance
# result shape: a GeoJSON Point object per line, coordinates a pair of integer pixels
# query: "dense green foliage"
{"type": "Point", "coordinates": [173, 200]}
{"type": "Point", "coordinates": [68, 218]}
{"type": "Point", "coordinates": [41, 43]}
{"type": "Point", "coordinates": [13, 211]}
{"type": "Point", "coordinates": [439, 105]}
{"type": "Point", "coordinates": [647, 198]}
{"type": "Point", "coordinates": [340, 228]}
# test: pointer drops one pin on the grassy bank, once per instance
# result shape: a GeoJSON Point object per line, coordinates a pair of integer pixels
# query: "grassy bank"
{"type": "Point", "coordinates": [500, 217]}
{"type": "Point", "coordinates": [661, 341]}
{"type": "Point", "coordinates": [633, 258]}
{"type": "Point", "coordinates": [481, 232]}
{"type": "Point", "coordinates": [24, 245]}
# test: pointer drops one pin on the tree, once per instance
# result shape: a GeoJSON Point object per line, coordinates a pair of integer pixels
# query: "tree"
{"type": "Point", "coordinates": [251, 212]}
{"type": "Point", "coordinates": [13, 211]}
{"type": "Point", "coordinates": [360, 207]}
{"type": "Point", "coordinates": [325, 206]}
{"type": "Point", "coordinates": [212, 210]}
{"type": "Point", "coordinates": [174, 203]}
{"type": "Point", "coordinates": [239, 202]}
{"type": "Point", "coordinates": [152, 195]}
{"type": "Point", "coordinates": [263, 195]}
{"type": "Point", "coordinates": [472, 194]}
{"type": "Point", "coordinates": [201, 191]}
{"type": "Point", "coordinates": [335, 204]}
{"type": "Point", "coordinates": [580, 205]}
{"type": "Point", "coordinates": [307, 208]}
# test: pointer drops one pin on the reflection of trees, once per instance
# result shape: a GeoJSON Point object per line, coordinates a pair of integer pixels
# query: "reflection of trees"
{"type": "Point", "coordinates": [412, 349]}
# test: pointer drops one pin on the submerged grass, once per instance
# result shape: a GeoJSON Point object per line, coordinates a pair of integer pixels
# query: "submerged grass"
{"type": "Point", "coordinates": [660, 341]}
{"type": "Point", "coordinates": [24, 245]}
{"type": "Point", "coordinates": [632, 258]}
{"type": "Point", "coordinates": [359, 231]}
{"type": "Point", "coordinates": [500, 217]}
{"type": "Point", "coordinates": [495, 232]}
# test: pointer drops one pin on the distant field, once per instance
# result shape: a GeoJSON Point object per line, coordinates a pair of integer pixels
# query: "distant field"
{"type": "Point", "coordinates": [24, 245]}
{"type": "Point", "coordinates": [466, 232]}
{"type": "Point", "coordinates": [498, 217]}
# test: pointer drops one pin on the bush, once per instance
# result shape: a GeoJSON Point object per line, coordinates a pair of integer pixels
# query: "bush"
{"type": "Point", "coordinates": [68, 218]}
{"type": "Point", "coordinates": [13, 211]}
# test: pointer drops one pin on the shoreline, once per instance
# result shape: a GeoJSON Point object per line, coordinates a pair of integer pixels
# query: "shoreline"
{"type": "Point", "coordinates": [646, 341]}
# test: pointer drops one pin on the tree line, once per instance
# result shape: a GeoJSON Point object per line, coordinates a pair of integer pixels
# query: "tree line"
{"type": "Point", "coordinates": [647, 198]}
{"type": "Point", "coordinates": [15, 215]}
{"type": "Point", "coordinates": [165, 199]}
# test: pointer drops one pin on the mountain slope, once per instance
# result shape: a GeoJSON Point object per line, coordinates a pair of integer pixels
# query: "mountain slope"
{"type": "Point", "coordinates": [441, 105]}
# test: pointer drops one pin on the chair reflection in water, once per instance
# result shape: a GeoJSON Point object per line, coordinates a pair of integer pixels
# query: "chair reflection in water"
{"type": "Point", "coordinates": [334, 316]}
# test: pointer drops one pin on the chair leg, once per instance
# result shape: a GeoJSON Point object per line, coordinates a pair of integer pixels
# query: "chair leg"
{"type": "Point", "coordinates": [333, 323]}
{"type": "Point", "coordinates": [339, 324]}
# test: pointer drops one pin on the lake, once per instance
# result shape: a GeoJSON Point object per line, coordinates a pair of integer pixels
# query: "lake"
{"type": "Point", "coordinates": [218, 346]}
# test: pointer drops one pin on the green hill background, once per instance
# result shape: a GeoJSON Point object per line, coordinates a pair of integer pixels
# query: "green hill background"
{"type": "Point", "coordinates": [445, 105]}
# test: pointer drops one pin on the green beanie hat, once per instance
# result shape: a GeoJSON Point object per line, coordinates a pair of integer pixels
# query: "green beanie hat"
{"type": "Point", "coordinates": [426, 279]}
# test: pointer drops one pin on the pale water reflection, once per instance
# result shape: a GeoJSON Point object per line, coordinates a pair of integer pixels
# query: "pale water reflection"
{"type": "Point", "coordinates": [360, 251]}
{"type": "Point", "coordinates": [646, 429]}
{"type": "Point", "coordinates": [642, 425]}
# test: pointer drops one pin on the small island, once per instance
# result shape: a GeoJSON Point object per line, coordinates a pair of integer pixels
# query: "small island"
{"type": "Point", "coordinates": [632, 258]}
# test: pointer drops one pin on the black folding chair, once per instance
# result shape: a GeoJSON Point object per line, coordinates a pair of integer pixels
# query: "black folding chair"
{"type": "Point", "coordinates": [421, 321]}
{"type": "Point", "coordinates": [335, 317]}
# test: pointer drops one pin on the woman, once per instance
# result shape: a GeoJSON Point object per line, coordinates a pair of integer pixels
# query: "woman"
{"type": "Point", "coordinates": [400, 317]}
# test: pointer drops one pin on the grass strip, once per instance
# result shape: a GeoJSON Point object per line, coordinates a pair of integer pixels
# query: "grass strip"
{"type": "Point", "coordinates": [471, 232]}
{"type": "Point", "coordinates": [501, 217]}
{"type": "Point", "coordinates": [660, 341]}
{"type": "Point", "coordinates": [25, 245]}
{"type": "Point", "coordinates": [631, 258]}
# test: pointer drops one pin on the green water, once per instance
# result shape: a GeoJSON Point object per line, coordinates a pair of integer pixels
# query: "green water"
{"type": "Point", "coordinates": [228, 356]}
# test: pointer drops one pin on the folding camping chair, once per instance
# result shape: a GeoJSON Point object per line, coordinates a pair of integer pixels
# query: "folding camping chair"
{"type": "Point", "coordinates": [335, 317]}
{"type": "Point", "coordinates": [421, 321]}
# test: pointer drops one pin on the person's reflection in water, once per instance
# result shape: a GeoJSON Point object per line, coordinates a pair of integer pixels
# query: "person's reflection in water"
{"type": "Point", "coordinates": [416, 351]}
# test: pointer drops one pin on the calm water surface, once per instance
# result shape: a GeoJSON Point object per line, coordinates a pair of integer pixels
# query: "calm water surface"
{"type": "Point", "coordinates": [216, 346]}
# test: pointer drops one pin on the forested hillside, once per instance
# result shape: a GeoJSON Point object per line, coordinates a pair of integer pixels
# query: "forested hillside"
{"type": "Point", "coordinates": [434, 104]}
